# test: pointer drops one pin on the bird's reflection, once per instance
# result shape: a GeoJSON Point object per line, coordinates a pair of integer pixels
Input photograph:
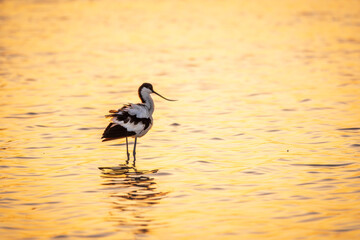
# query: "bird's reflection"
{"type": "Point", "coordinates": [133, 193]}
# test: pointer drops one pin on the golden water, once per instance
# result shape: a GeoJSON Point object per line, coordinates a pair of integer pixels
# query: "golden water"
{"type": "Point", "coordinates": [263, 143]}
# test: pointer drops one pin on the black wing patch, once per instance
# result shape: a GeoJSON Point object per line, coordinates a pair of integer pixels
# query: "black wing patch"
{"type": "Point", "coordinates": [115, 131]}
{"type": "Point", "coordinates": [126, 117]}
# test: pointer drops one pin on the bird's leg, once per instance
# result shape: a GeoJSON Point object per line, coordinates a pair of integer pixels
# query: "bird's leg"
{"type": "Point", "coordinates": [127, 151]}
{"type": "Point", "coordinates": [134, 152]}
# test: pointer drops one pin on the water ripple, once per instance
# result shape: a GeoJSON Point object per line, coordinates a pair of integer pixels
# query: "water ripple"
{"type": "Point", "coordinates": [322, 165]}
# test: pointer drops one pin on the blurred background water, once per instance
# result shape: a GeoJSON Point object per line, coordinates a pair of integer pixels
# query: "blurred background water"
{"type": "Point", "coordinates": [263, 143]}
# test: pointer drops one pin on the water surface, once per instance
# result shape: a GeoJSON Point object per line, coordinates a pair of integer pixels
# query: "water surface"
{"type": "Point", "coordinates": [263, 143]}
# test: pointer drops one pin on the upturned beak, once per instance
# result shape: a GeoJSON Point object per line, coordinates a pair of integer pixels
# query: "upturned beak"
{"type": "Point", "coordinates": [163, 97]}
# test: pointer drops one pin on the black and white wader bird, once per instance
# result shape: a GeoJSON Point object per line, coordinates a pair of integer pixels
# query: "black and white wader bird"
{"type": "Point", "coordinates": [132, 120]}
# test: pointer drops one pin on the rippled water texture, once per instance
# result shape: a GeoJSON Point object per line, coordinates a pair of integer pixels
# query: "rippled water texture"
{"type": "Point", "coordinates": [263, 143]}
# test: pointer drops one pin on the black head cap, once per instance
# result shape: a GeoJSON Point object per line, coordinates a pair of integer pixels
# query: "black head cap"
{"type": "Point", "coordinates": [146, 85]}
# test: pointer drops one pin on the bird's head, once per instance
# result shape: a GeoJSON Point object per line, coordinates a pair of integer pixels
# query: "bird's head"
{"type": "Point", "coordinates": [147, 88]}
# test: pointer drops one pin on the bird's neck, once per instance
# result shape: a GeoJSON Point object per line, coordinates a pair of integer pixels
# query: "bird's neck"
{"type": "Point", "coordinates": [148, 101]}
